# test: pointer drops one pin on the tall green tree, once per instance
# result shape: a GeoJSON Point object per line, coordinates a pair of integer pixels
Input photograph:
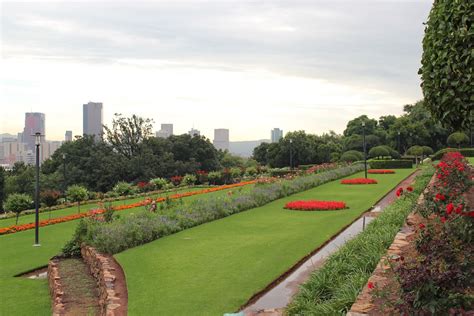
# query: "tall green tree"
{"type": "Point", "coordinates": [447, 70]}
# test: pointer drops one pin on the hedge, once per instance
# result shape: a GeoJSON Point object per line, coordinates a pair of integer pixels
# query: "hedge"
{"type": "Point", "coordinates": [466, 152]}
{"type": "Point", "coordinates": [390, 164]}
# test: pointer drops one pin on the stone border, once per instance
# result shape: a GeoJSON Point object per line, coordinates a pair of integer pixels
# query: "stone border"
{"type": "Point", "coordinates": [104, 269]}
{"type": "Point", "coordinates": [363, 305]}
{"type": "Point", "coordinates": [55, 288]}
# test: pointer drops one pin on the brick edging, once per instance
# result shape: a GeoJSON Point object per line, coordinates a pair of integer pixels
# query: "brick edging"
{"type": "Point", "coordinates": [55, 288]}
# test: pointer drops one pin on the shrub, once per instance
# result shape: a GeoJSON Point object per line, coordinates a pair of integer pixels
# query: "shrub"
{"type": "Point", "coordinates": [427, 150]}
{"type": "Point", "coordinates": [215, 177]}
{"type": "Point", "coordinates": [123, 188]}
{"type": "Point", "coordinates": [18, 203]}
{"type": "Point", "coordinates": [448, 64]}
{"type": "Point", "coordinates": [313, 205]}
{"type": "Point", "coordinates": [235, 173]}
{"type": "Point", "coordinates": [50, 198]}
{"type": "Point", "coordinates": [352, 155]}
{"type": "Point", "coordinates": [159, 183]}
{"type": "Point", "coordinates": [202, 176]}
{"type": "Point", "coordinates": [251, 171]}
{"type": "Point", "coordinates": [359, 181]}
{"type": "Point", "coordinates": [379, 151]}
{"type": "Point", "coordinates": [380, 171]}
{"type": "Point", "coordinates": [467, 152]}
{"type": "Point", "coordinates": [457, 139]}
{"type": "Point", "coordinates": [77, 193]}
{"type": "Point", "coordinates": [189, 179]}
{"type": "Point", "coordinates": [390, 164]}
{"type": "Point", "coordinates": [176, 180]}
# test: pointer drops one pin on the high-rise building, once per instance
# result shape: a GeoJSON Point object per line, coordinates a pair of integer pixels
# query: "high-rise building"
{"type": "Point", "coordinates": [34, 123]}
{"type": "Point", "coordinates": [92, 119]}
{"type": "Point", "coordinates": [194, 132]}
{"type": "Point", "coordinates": [68, 136]}
{"type": "Point", "coordinates": [221, 138]}
{"type": "Point", "coordinates": [277, 134]}
{"type": "Point", "coordinates": [165, 131]}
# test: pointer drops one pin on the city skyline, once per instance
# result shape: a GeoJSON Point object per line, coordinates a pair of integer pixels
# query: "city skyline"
{"type": "Point", "coordinates": [194, 64]}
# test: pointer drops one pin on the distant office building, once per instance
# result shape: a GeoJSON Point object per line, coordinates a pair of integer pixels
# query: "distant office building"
{"type": "Point", "coordinates": [277, 134]}
{"type": "Point", "coordinates": [165, 131]}
{"type": "Point", "coordinates": [221, 138]}
{"type": "Point", "coordinates": [68, 136]}
{"type": "Point", "coordinates": [194, 132]}
{"type": "Point", "coordinates": [34, 123]}
{"type": "Point", "coordinates": [11, 151]}
{"type": "Point", "coordinates": [92, 119]}
{"type": "Point", "coordinates": [47, 149]}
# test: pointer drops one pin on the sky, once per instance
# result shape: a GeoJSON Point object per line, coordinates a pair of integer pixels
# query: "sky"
{"type": "Point", "coordinates": [248, 66]}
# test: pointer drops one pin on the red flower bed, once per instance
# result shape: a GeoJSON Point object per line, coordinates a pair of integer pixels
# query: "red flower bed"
{"type": "Point", "coordinates": [19, 228]}
{"type": "Point", "coordinates": [314, 205]}
{"type": "Point", "coordinates": [380, 171]}
{"type": "Point", "coordinates": [359, 181]}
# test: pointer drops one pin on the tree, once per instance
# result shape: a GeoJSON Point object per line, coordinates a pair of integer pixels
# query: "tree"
{"type": "Point", "coordinates": [352, 155]}
{"type": "Point", "coordinates": [457, 138]}
{"type": "Point", "coordinates": [379, 151]}
{"type": "Point", "coordinates": [2, 187]}
{"type": "Point", "coordinates": [355, 126]}
{"type": "Point", "coordinates": [77, 193]}
{"type": "Point", "coordinates": [427, 150]}
{"type": "Point", "coordinates": [49, 198]}
{"type": "Point", "coordinates": [127, 133]}
{"type": "Point", "coordinates": [447, 69]}
{"type": "Point", "coordinates": [416, 151]}
{"type": "Point", "coordinates": [260, 153]}
{"type": "Point", "coordinates": [17, 203]}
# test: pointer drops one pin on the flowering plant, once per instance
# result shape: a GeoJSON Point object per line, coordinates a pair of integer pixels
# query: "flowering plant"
{"type": "Point", "coordinates": [315, 205]}
{"type": "Point", "coordinates": [359, 181]}
{"type": "Point", "coordinates": [380, 171]}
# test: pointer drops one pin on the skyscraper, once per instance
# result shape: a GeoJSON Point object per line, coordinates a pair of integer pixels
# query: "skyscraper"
{"type": "Point", "coordinates": [34, 123]}
{"type": "Point", "coordinates": [194, 132]}
{"type": "Point", "coordinates": [277, 134]}
{"type": "Point", "coordinates": [68, 136]}
{"type": "Point", "coordinates": [221, 138]}
{"type": "Point", "coordinates": [165, 131]}
{"type": "Point", "coordinates": [92, 119]}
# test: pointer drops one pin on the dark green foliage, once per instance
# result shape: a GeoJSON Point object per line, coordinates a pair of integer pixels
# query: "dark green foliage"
{"type": "Point", "coordinates": [467, 152]}
{"type": "Point", "coordinates": [352, 155]}
{"type": "Point", "coordinates": [447, 70]}
{"type": "Point", "coordinates": [390, 164]}
{"type": "Point", "coordinates": [457, 139]}
{"type": "Point", "coordinates": [2, 187]}
{"type": "Point", "coordinates": [379, 151]}
{"type": "Point", "coordinates": [17, 203]}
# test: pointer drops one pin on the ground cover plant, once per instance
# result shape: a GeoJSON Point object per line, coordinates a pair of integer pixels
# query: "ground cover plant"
{"type": "Point", "coordinates": [380, 171]}
{"type": "Point", "coordinates": [314, 205]}
{"type": "Point", "coordinates": [359, 181]}
{"type": "Point", "coordinates": [332, 289]}
{"type": "Point", "coordinates": [116, 236]}
{"type": "Point", "coordinates": [216, 267]}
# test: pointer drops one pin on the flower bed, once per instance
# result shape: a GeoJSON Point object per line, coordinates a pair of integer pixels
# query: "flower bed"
{"type": "Point", "coordinates": [315, 205]}
{"type": "Point", "coordinates": [19, 228]}
{"type": "Point", "coordinates": [380, 171]}
{"type": "Point", "coordinates": [359, 181]}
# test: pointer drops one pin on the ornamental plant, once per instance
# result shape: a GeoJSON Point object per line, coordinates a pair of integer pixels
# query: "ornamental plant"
{"type": "Point", "coordinates": [176, 180]}
{"type": "Point", "coordinates": [359, 181]}
{"type": "Point", "coordinates": [315, 205]}
{"type": "Point", "coordinates": [50, 198]}
{"type": "Point", "coordinates": [159, 183]}
{"type": "Point", "coordinates": [380, 171]}
{"type": "Point", "coordinates": [189, 179]}
{"type": "Point", "coordinates": [123, 188]}
{"type": "Point", "coordinates": [18, 203]}
{"type": "Point", "coordinates": [77, 193]}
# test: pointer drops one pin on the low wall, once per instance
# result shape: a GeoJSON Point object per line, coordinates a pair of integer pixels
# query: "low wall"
{"type": "Point", "coordinates": [104, 269]}
{"type": "Point", "coordinates": [55, 288]}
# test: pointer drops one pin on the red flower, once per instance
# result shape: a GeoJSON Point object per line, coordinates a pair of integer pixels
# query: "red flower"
{"type": "Point", "coordinates": [410, 189]}
{"type": "Point", "coordinates": [421, 226]}
{"type": "Point", "coordinates": [370, 285]}
{"type": "Point", "coordinates": [313, 205]}
{"type": "Point", "coordinates": [399, 191]}
{"type": "Point", "coordinates": [443, 219]}
{"type": "Point", "coordinates": [440, 197]}
{"type": "Point", "coordinates": [380, 171]}
{"type": "Point", "coordinates": [449, 208]}
{"type": "Point", "coordinates": [359, 181]}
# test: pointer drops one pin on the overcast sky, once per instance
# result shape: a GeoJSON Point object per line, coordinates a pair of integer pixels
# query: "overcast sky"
{"type": "Point", "coordinates": [244, 65]}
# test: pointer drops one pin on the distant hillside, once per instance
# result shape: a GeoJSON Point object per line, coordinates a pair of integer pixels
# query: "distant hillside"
{"type": "Point", "coordinates": [6, 135]}
{"type": "Point", "coordinates": [245, 148]}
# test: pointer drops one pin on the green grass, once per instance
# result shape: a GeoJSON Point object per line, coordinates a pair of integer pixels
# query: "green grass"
{"type": "Point", "coordinates": [470, 160]}
{"type": "Point", "coordinates": [216, 267]}
{"type": "Point", "coordinates": [21, 296]}
{"type": "Point", "coordinates": [30, 218]}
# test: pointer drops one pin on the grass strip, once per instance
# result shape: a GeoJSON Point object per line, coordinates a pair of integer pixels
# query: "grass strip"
{"type": "Point", "coordinates": [332, 289]}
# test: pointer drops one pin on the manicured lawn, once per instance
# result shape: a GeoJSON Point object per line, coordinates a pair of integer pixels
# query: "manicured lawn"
{"type": "Point", "coordinates": [471, 160]}
{"type": "Point", "coordinates": [84, 208]}
{"type": "Point", "coordinates": [216, 267]}
{"type": "Point", "coordinates": [20, 296]}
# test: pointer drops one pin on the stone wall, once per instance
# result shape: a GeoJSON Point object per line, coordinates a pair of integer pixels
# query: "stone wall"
{"type": "Point", "coordinates": [55, 288]}
{"type": "Point", "coordinates": [102, 268]}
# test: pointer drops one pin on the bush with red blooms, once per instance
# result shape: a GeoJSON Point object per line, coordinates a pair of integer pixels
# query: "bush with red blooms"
{"type": "Point", "coordinates": [439, 280]}
{"type": "Point", "coordinates": [315, 205]}
{"type": "Point", "coordinates": [400, 190]}
{"type": "Point", "coordinates": [359, 181]}
{"type": "Point", "coordinates": [380, 171]}
{"type": "Point", "coordinates": [145, 186]}
{"type": "Point", "coordinates": [176, 180]}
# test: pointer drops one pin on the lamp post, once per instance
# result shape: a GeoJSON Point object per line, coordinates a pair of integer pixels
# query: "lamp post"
{"type": "Point", "coordinates": [365, 149]}
{"type": "Point", "coordinates": [64, 174]}
{"type": "Point", "coordinates": [398, 141]}
{"type": "Point", "coordinates": [37, 144]}
{"type": "Point", "coordinates": [291, 154]}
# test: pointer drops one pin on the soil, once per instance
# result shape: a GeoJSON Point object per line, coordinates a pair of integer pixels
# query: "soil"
{"type": "Point", "coordinates": [81, 295]}
{"type": "Point", "coordinates": [120, 287]}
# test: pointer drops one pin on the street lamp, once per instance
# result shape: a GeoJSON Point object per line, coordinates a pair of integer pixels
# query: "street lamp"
{"type": "Point", "coordinates": [64, 173]}
{"type": "Point", "coordinates": [37, 144]}
{"type": "Point", "coordinates": [291, 154]}
{"type": "Point", "coordinates": [398, 141]}
{"type": "Point", "coordinates": [365, 149]}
